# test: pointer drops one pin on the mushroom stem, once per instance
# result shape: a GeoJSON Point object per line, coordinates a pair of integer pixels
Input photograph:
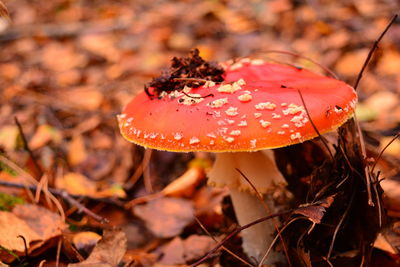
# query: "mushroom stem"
{"type": "Point", "coordinates": [260, 169]}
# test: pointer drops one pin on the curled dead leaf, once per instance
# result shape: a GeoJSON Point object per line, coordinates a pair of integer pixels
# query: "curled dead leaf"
{"type": "Point", "coordinates": [315, 212]}
{"type": "Point", "coordinates": [108, 252]}
{"type": "Point", "coordinates": [35, 224]}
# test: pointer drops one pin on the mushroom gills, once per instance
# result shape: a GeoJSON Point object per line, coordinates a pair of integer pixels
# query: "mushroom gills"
{"type": "Point", "coordinates": [259, 167]}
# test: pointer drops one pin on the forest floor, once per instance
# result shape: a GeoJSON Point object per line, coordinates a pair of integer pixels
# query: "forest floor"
{"type": "Point", "coordinates": [73, 190]}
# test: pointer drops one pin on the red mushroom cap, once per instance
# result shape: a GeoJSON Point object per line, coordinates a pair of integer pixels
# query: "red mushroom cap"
{"type": "Point", "coordinates": [258, 106]}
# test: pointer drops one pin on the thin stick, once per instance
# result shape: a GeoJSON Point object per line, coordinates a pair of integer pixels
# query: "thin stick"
{"type": "Point", "coordinates": [303, 57]}
{"type": "Point", "coordinates": [361, 139]}
{"type": "Point", "coordinates": [60, 193]}
{"type": "Point", "coordinates": [383, 150]}
{"type": "Point", "coordinates": [276, 238]}
{"type": "Point", "coordinates": [313, 125]}
{"type": "Point", "coordinates": [371, 52]}
{"type": "Point", "coordinates": [235, 232]}
{"type": "Point", "coordinates": [199, 97]}
{"type": "Point", "coordinates": [223, 247]}
{"type": "Point", "coordinates": [27, 148]}
{"type": "Point", "coordinates": [378, 201]}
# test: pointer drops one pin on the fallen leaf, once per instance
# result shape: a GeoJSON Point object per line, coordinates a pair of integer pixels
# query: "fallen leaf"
{"type": "Point", "coordinates": [76, 150]}
{"type": "Point", "coordinates": [84, 97]}
{"type": "Point", "coordinates": [173, 252]}
{"type": "Point", "coordinates": [108, 252]}
{"type": "Point", "coordinates": [383, 244]}
{"type": "Point", "coordinates": [317, 211]}
{"type": "Point", "coordinates": [185, 184]}
{"type": "Point", "coordinates": [85, 241]}
{"type": "Point", "coordinates": [166, 217]}
{"type": "Point", "coordinates": [36, 224]}
{"type": "Point", "coordinates": [101, 44]}
{"type": "Point", "coordinates": [45, 223]}
{"type": "Point", "coordinates": [196, 246]}
{"type": "Point", "coordinates": [61, 57]}
{"type": "Point", "coordinates": [8, 137]}
{"type": "Point", "coordinates": [10, 228]}
{"type": "Point", "coordinates": [350, 63]}
{"type": "Point", "coordinates": [9, 71]}
{"type": "Point", "coordinates": [76, 184]}
{"type": "Point", "coordinates": [389, 64]}
{"type": "Point", "coordinates": [43, 135]}
{"type": "Point", "coordinates": [393, 149]}
{"type": "Point", "coordinates": [391, 196]}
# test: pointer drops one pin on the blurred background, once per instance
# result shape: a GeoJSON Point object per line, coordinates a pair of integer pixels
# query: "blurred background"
{"type": "Point", "coordinates": [68, 67]}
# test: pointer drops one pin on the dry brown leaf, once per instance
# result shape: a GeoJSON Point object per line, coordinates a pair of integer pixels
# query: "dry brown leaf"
{"type": "Point", "coordinates": [173, 252]}
{"type": "Point", "coordinates": [350, 63]}
{"type": "Point", "coordinates": [166, 217]}
{"type": "Point", "coordinates": [102, 45]}
{"type": "Point", "coordinates": [62, 57]}
{"type": "Point", "coordinates": [185, 184]}
{"type": "Point", "coordinates": [76, 184]}
{"type": "Point", "coordinates": [8, 137]}
{"type": "Point", "coordinates": [315, 213]}
{"type": "Point", "coordinates": [108, 252]}
{"type": "Point", "coordinates": [393, 149]}
{"type": "Point", "coordinates": [10, 228]}
{"type": "Point", "coordinates": [391, 196]}
{"type": "Point", "coordinates": [9, 71]}
{"type": "Point", "coordinates": [45, 223]}
{"type": "Point", "coordinates": [383, 244]}
{"type": "Point", "coordinates": [36, 224]}
{"type": "Point", "coordinates": [84, 97]}
{"type": "Point", "coordinates": [389, 64]}
{"type": "Point", "coordinates": [85, 240]}
{"type": "Point", "coordinates": [43, 135]}
{"type": "Point", "coordinates": [196, 246]}
{"type": "Point", "coordinates": [77, 150]}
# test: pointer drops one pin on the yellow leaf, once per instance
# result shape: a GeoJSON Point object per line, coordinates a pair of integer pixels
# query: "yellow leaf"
{"type": "Point", "coordinates": [77, 151]}
{"type": "Point", "coordinates": [77, 184]}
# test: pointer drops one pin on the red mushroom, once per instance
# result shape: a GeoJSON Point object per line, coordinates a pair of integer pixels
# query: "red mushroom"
{"type": "Point", "coordinates": [256, 108]}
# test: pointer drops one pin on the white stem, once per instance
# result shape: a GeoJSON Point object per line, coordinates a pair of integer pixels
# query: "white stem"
{"type": "Point", "coordinates": [260, 169]}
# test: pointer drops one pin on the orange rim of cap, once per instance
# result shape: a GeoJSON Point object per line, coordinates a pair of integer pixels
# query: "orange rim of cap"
{"type": "Point", "coordinates": [258, 106]}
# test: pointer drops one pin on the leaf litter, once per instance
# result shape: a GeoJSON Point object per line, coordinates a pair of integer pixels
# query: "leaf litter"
{"type": "Point", "coordinates": [67, 69]}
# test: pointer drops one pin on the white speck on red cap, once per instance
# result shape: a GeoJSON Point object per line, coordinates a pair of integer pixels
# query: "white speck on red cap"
{"type": "Point", "coordinates": [231, 111]}
{"type": "Point", "coordinates": [194, 140]}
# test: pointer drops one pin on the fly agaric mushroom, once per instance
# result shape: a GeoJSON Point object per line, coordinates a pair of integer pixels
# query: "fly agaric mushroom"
{"type": "Point", "coordinates": [256, 108]}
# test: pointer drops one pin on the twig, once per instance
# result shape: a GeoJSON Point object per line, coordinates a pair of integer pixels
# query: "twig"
{"type": "Point", "coordinates": [383, 150]}
{"type": "Point", "coordinates": [25, 248]}
{"type": "Point", "coordinates": [235, 232]}
{"type": "Point", "coordinates": [64, 195]}
{"type": "Point", "coordinates": [28, 149]}
{"type": "Point", "coordinates": [303, 57]}
{"type": "Point", "coordinates": [276, 238]}
{"type": "Point", "coordinates": [371, 52]}
{"type": "Point", "coordinates": [315, 128]}
{"type": "Point", "coordinates": [361, 139]}
{"type": "Point", "coordinates": [198, 97]}
{"type": "Point", "coordinates": [223, 247]}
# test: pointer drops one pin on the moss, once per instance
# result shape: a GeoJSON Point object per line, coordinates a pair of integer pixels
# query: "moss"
{"type": "Point", "coordinates": [7, 202]}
